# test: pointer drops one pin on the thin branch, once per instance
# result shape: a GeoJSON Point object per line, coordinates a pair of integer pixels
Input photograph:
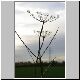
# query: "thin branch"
{"type": "Point", "coordinates": [43, 39]}
{"type": "Point", "coordinates": [50, 42]}
{"type": "Point", "coordinates": [41, 29]}
{"type": "Point", "coordinates": [32, 58]}
{"type": "Point", "coordinates": [48, 66]}
{"type": "Point", "coordinates": [33, 16]}
{"type": "Point", "coordinates": [41, 45]}
{"type": "Point", "coordinates": [39, 39]}
{"type": "Point", "coordinates": [25, 45]}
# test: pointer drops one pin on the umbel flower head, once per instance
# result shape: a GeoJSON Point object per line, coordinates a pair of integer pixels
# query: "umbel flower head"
{"type": "Point", "coordinates": [43, 17]}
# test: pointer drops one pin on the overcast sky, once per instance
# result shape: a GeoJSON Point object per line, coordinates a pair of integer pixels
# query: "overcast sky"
{"type": "Point", "coordinates": [25, 26]}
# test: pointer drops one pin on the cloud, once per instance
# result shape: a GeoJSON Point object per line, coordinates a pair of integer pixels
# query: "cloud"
{"type": "Point", "coordinates": [18, 12]}
{"type": "Point", "coordinates": [57, 48]}
{"type": "Point", "coordinates": [25, 26]}
{"type": "Point", "coordinates": [48, 5]}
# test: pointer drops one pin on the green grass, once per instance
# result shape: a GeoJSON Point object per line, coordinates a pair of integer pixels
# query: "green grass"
{"type": "Point", "coordinates": [29, 72]}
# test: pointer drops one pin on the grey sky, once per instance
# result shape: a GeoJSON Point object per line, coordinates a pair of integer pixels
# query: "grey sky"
{"type": "Point", "coordinates": [25, 26]}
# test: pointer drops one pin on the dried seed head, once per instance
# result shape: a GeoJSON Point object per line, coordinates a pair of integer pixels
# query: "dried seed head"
{"type": "Point", "coordinates": [28, 11]}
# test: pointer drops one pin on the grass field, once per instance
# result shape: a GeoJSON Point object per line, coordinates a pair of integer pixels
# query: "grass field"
{"type": "Point", "coordinates": [29, 72]}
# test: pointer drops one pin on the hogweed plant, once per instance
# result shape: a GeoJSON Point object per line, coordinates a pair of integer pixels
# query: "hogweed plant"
{"type": "Point", "coordinates": [43, 18]}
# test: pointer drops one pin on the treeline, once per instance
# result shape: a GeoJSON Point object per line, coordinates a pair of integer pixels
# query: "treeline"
{"type": "Point", "coordinates": [52, 63]}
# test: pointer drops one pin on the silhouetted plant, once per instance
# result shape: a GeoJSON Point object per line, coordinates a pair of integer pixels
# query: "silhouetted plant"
{"type": "Point", "coordinates": [43, 18]}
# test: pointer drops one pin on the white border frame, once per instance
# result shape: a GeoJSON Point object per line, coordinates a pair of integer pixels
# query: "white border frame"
{"type": "Point", "coordinates": [65, 41]}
